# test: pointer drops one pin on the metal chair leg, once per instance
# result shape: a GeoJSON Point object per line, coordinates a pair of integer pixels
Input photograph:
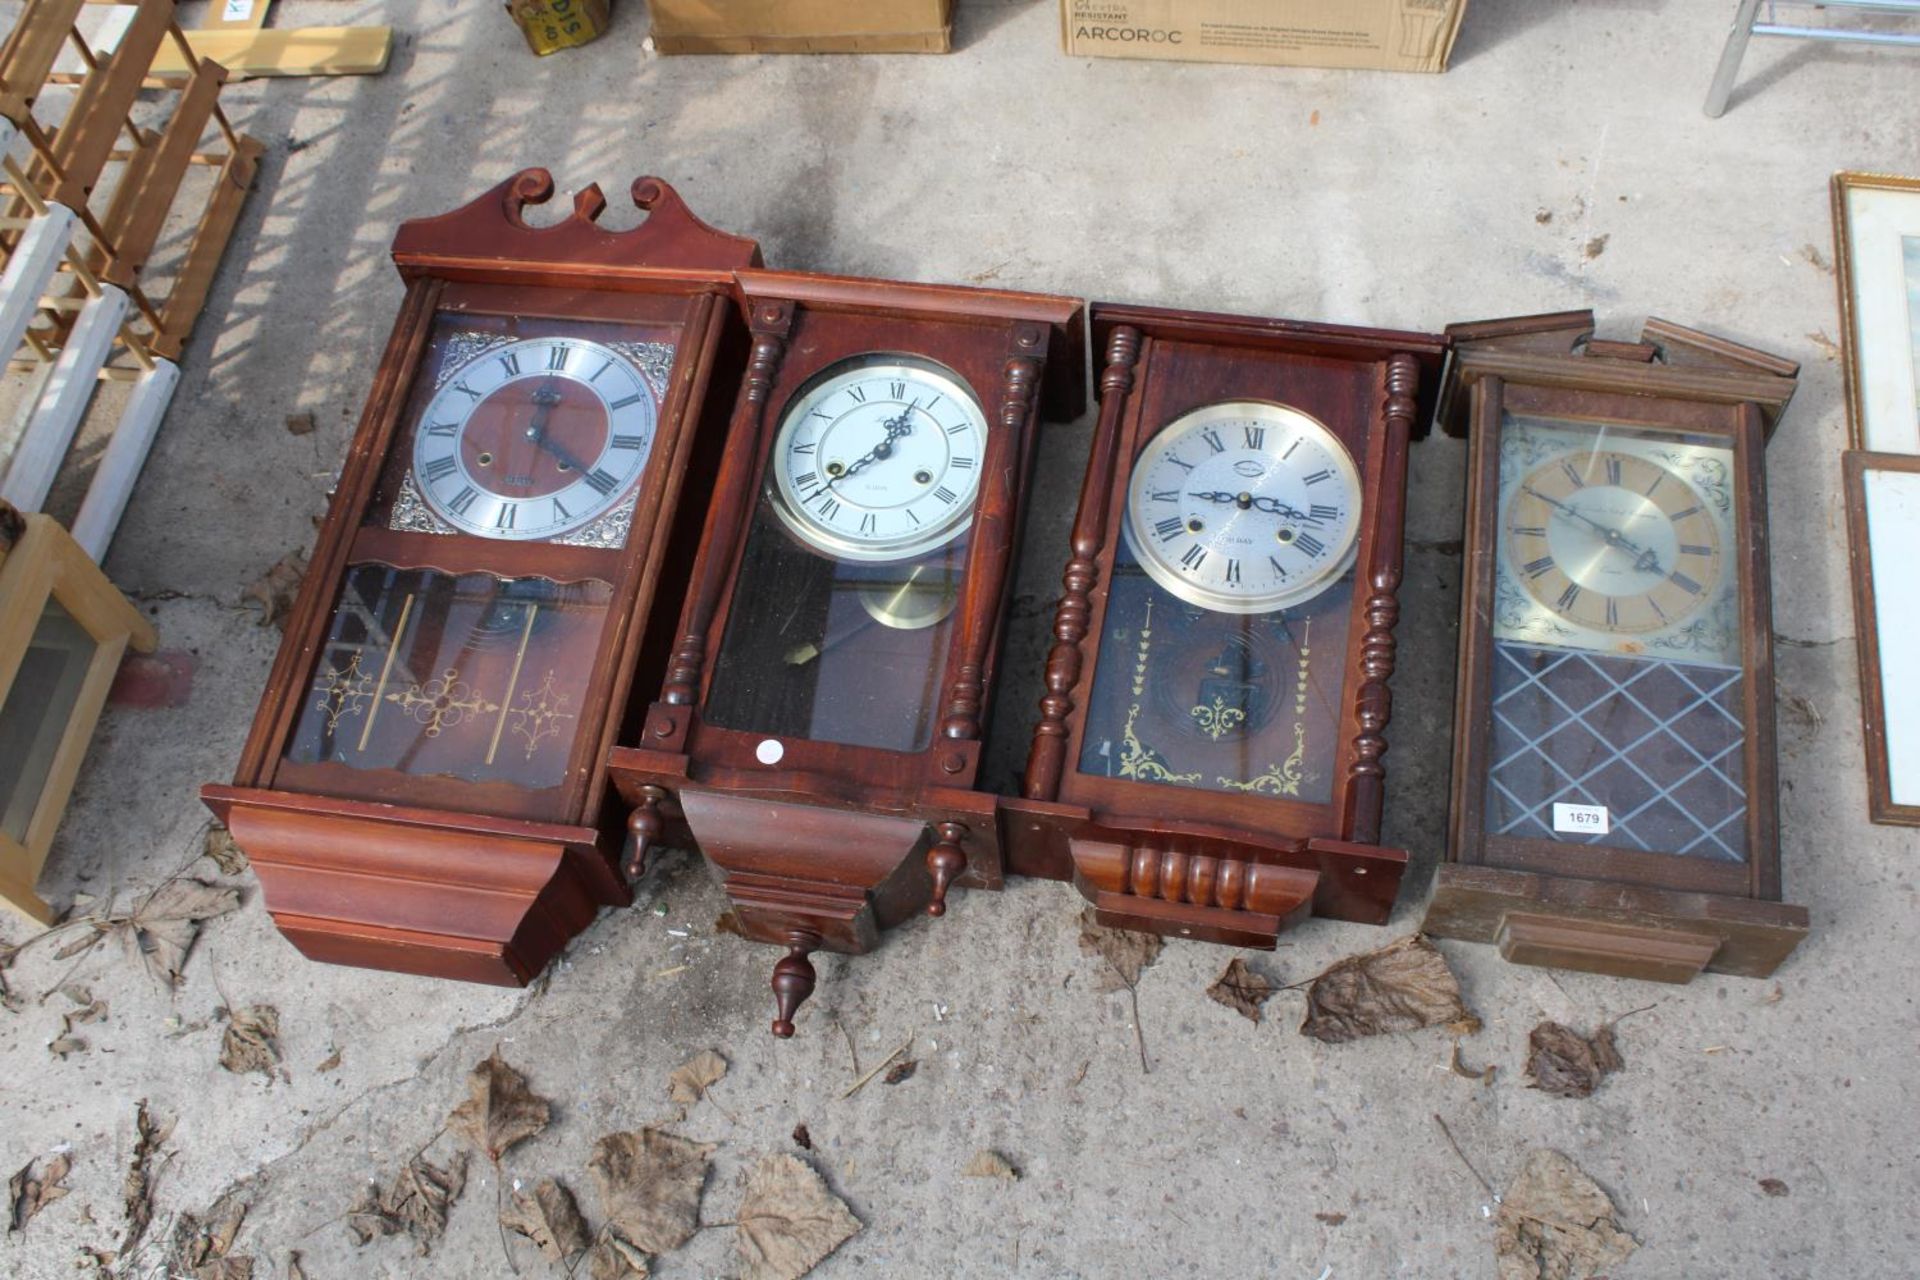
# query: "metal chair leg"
{"type": "Point", "coordinates": [1729, 69]}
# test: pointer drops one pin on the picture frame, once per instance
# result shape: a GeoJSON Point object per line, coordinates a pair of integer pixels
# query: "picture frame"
{"type": "Point", "coordinates": [1876, 229]}
{"type": "Point", "coordinates": [1882, 496]}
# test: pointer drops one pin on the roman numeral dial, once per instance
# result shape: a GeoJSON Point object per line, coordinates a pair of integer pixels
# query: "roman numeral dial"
{"type": "Point", "coordinates": [1620, 541]}
{"type": "Point", "coordinates": [878, 459]}
{"type": "Point", "coordinates": [1244, 507]}
{"type": "Point", "coordinates": [534, 439]}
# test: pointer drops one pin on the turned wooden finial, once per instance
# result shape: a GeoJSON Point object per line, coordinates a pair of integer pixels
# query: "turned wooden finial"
{"type": "Point", "coordinates": [946, 862]}
{"type": "Point", "coordinates": [793, 980]}
{"type": "Point", "coordinates": [645, 826]}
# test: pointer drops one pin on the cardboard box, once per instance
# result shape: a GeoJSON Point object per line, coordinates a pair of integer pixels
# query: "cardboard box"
{"type": "Point", "coordinates": [1387, 35]}
{"type": "Point", "coordinates": [802, 26]}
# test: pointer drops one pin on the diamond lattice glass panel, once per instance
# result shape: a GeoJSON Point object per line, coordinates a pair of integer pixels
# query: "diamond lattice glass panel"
{"type": "Point", "coordinates": [1660, 745]}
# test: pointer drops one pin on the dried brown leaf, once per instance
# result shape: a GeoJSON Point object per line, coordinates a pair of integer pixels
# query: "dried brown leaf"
{"type": "Point", "coordinates": [689, 1081]}
{"type": "Point", "coordinates": [225, 854]}
{"type": "Point", "coordinates": [37, 1185]}
{"type": "Point", "coordinates": [252, 1041]}
{"type": "Point", "coordinates": [235, 1268]}
{"type": "Point", "coordinates": [164, 927]}
{"type": "Point", "coordinates": [1773, 1186]}
{"type": "Point", "coordinates": [990, 1164]}
{"type": "Point", "coordinates": [331, 1062]}
{"type": "Point", "coordinates": [294, 1270]}
{"type": "Point", "coordinates": [550, 1219]}
{"type": "Point", "coordinates": [801, 1138]}
{"type": "Point", "coordinates": [1239, 988]}
{"type": "Point", "coordinates": [1459, 1067]}
{"type": "Point", "coordinates": [1331, 1219]}
{"type": "Point", "coordinates": [901, 1071]}
{"type": "Point", "coordinates": [649, 1184]}
{"type": "Point", "coordinates": [1555, 1223]}
{"type": "Point", "coordinates": [136, 1190]}
{"type": "Point", "coordinates": [414, 1203]}
{"type": "Point", "coordinates": [1566, 1064]}
{"type": "Point", "coordinates": [274, 590]}
{"type": "Point", "coordinates": [789, 1221]}
{"type": "Point", "coordinates": [79, 994]}
{"type": "Point", "coordinates": [1403, 986]}
{"type": "Point", "coordinates": [614, 1259]}
{"type": "Point", "coordinates": [301, 423]}
{"type": "Point", "coordinates": [1126, 952]}
{"type": "Point", "coordinates": [65, 1043]}
{"type": "Point", "coordinates": [500, 1109]}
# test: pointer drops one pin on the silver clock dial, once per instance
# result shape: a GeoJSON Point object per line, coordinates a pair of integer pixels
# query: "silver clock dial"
{"type": "Point", "coordinates": [879, 459]}
{"type": "Point", "coordinates": [1244, 507]}
{"type": "Point", "coordinates": [535, 439]}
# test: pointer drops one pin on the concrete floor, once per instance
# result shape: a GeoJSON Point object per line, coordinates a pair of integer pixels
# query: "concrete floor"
{"type": "Point", "coordinates": [1397, 201]}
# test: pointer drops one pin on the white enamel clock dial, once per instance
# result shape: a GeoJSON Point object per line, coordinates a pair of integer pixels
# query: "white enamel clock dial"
{"type": "Point", "coordinates": [534, 439]}
{"type": "Point", "coordinates": [1244, 507]}
{"type": "Point", "coordinates": [879, 459]}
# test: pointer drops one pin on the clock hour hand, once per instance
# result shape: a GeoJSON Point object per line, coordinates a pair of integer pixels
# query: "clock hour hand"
{"type": "Point", "coordinates": [544, 401]}
{"type": "Point", "coordinates": [896, 427]}
{"type": "Point", "coordinates": [1251, 502]}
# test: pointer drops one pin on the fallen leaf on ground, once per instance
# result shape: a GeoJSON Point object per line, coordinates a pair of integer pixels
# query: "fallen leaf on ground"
{"type": "Point", "coordinates": [8, 1001]}
{"type": "Point", "coordinates": [301, 423]}
{"type": "Point", "coordinates": [1566, 1064]}
{"type": "Point", "coordinates": [330, 1063]}
{"type": "Point", "coordinates": [1403, 986]}
{"type": "Point", "coordinates": [225, 854]}
{"type": "Point", "coordinates": [1828, 347]}
{"type": "Point", "coordinates": [1773, 1186]}
{"type": "Point", "coordinates": [252, 1041]}
{"type": "Point", "coordinates": [1331, 1219]}
{"type": "Point", "coordinates": [689, 1081]}
{"type": "Point", "coordinates": [78, 994]}
{"type": "Point", "coordinates": [203, 1250]}
{"type": "Point", "coordinates": [294, 1270]}
{"type": "Point", "coordinates": [901, 1071]}
{"type": "Point", "coordinates": [275, 589]}
{"type": "Point", "coordinates": [500, 1109]}
{"type": "Point", "coordinates": [1126, 952]}
{"type": "Point", "coordinates": [1597, 246]}
{"type": "Point", "coordinates": [1241, 989]}
{"type": "Point", "coordinates": [415, 1203]}
{"type": "Point", "coordinates": [550, 1219]}
{"type": "Point", "coordinates": [789, 1221]}
{"type": "Point", "coordinates": [65, 1043]}
{"type": "Point", "coordinates": [990, 1164]}
{"type": "Point", "coordinates": [36, 1186]}
{"type": "Point", "coordinates": [649, 1184]}
{"type": "Point", "coordinates": [614, 1259]}
{"type": "Point", "coordinates": [1555, 1223]}
{"type": "Point", "coordinates": [137, 1189]}
{"type": "Point", "coordinates": [1818, 260]}
{"type": "Point", "coordinates": [801, 1138]}
{"type": "Point", "coordinates": [165, 926]}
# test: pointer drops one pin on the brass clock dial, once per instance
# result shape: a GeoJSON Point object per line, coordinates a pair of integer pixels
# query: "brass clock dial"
{"type": "Point", "coordinates": [1244, 507]}
{"type": "Point", "coordinates": [1613, 541]}
{"type": "Point", "coordinates": [534, 439]}
{"type": "Point", "coordinates": [878, 459]}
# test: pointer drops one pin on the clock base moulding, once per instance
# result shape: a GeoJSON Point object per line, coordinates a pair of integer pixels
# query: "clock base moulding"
{"type": "Point", "coordinates": [1238, 865]}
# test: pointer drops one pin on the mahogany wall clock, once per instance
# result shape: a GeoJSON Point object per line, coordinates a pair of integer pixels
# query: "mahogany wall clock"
{"type": "Point", "coordinates": [422, 788]}
{"type": "Point", "coordinates": [1207, 762]}
{"type": "Point", "coordinates": [819, 728]}
{"type": "Point", "coordinates": [1613, 779]}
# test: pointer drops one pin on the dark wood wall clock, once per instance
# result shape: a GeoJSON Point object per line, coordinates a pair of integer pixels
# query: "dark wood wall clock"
{"type": "Point", "coordinates": [819, 728]}
{"type": "Point", "coordinates": [1208, 758]}
{"type": "Point", "coordinates": [1614, 774]}
{"type": "Point", "coordinates": [422, 787]}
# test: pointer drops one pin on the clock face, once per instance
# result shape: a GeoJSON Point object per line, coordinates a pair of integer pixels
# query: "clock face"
{"type": "Point", "coordinates": [878, 459]}
{"type": "Point", "coordinates": [1613, 541]}
{"type": "Point", "coordinates": [1244, 507]}
{"type": "Point", "coordinates": [534, 439]}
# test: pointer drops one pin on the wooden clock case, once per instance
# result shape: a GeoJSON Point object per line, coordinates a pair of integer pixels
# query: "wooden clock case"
{"type": "Point", "coordinates": [1593, 907]}
{"type": "Point", "coordinates": [833, 843]}
{"type": "Point", "coordinates": [473, 880]}
{"type": "Point", "coordinates": [1230, 868]}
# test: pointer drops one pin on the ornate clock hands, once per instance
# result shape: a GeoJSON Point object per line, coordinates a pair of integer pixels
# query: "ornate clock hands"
{"type": "Point", "coordinates": [896, 427]}
{"type": "Point", "coordinates": [1255, 502]}
{"type": "Point", "coordinates": [1644, 560]}
{"type": "Point", "coordinates": [545, 399]}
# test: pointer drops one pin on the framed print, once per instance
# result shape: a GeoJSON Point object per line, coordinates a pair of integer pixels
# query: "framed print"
{"type": "Point", "coordinates": [1883, 517]}
{"type": "Point", "coordinates": [1876, 231]}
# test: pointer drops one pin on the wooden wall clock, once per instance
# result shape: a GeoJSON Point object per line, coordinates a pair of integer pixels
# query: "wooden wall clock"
{"type": "Point", "coordinates": [819, 728]}
{"type": "Point", "coordinates": [422, 787]}
{"type": "Point", "coordinates": [1207, 762]}
{"type": "Point", "coordinates": [1613, 779]}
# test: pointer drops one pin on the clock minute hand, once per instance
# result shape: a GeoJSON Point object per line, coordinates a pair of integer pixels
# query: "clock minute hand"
{"type": "Point", "coordinates": [896, 427]}
{"type": "Point", "coordinates": [544, 401]}
{"type": "Point", "coordinates": [1643, 558]}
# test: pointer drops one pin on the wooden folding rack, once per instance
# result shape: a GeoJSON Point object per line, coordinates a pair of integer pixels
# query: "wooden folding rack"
{"type": "Point", "coordinates": [73, 306]}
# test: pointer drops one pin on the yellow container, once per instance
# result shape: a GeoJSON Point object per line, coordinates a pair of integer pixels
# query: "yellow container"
{"type": "Point", "coordinates": [552, 25]}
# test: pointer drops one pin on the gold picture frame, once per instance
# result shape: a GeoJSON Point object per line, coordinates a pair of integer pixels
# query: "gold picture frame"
{"type": "Point", "coordinates": [1876, 222]}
